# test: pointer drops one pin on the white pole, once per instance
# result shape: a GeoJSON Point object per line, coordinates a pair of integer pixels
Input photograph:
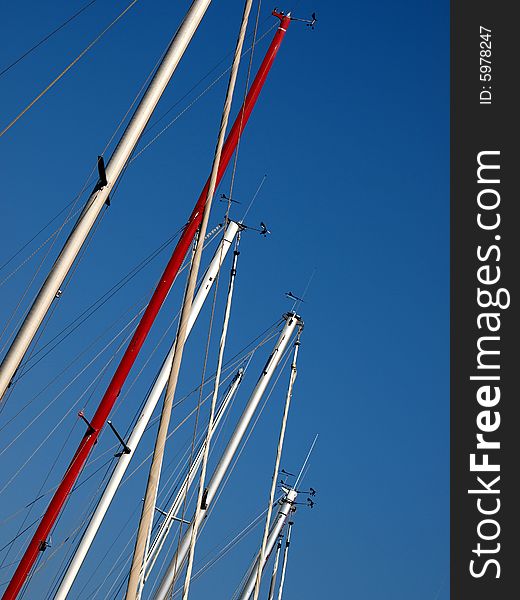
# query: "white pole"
{"type": "Point", "coordinates": [284, 511]}
{"type": "Point", "coordinates": [274, 481]}
{"type": "Point", "coordinates": [272, 585]}
{"type": "Point", "coordinates": [284, 564]}
{"type": "Point", "coordinates": [292, 323]}
{"type": "Point", "coordinates": [154, 476]}
{"type": "Point", "coordinates": [100, 194]}
{"type": "Point", "coordinates": [172, 513]}
{"type": "Point", "coordinates": [207, 445]}
{"type": "Point", "coordinates": [216, 384]}
{"type": "Point", "coordinates": [144, 418]}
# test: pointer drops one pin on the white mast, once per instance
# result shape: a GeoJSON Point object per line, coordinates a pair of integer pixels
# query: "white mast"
{"type": "Point", "coordinates": [144, 418]}
{"type": "Point", "coordinates": [154, 475]}
{"type": "Point", "coordinates": [100, 194]}
{"type": "Point", "coordinates": [293, 322]}
{"type": "Point", "coordinates": [286, 507]}
{"type": "Point", "coordinates": [172, 513]}
{"type": "Point", "coordinates": [272, 585]}
{"type": "Point", "coordinates": [204, 454]}
{"type": "Point", "coordinates": [207, 444]}
{"type": "Point", "coordinates": [285, 555]}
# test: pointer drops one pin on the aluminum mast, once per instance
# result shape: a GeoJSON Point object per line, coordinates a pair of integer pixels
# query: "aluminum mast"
{"type": "Point", "coordinates": [38, 541]}
{"type": "Point", "coordinates": [206, 446]}
{"type": "Point", "coordinates": [100, 193]}
{"type": "Point", "coordinates": [286, 507]}
{"type": "Point", "coordinates": [171, 515]}
{"type": "Point", "coordinates": [143, 420]}
{"type": "Point", "coordinates": [272, 584]}
{"type": "Point", "coordinates": [285, 556]}
{"type": "Point", "coordinates": [293, 322]}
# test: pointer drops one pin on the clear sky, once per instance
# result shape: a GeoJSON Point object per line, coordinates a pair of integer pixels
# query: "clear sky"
{"type": "Point", "coordinates": [352, 131]}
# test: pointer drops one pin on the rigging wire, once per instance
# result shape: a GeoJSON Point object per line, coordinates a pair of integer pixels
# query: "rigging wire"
{"type": "Point", "coordinates": [67, 68]}
{"type": "Point", "coordinates": [47, 37]}
{"type": "Point", "coordinates": [28, 513]}
{"type": "Point", "coordinates": [196, 99]}
{"type": "Point", "coordinates": [97, 304]}
{"type": "Point", "coordinates": [36, 520]}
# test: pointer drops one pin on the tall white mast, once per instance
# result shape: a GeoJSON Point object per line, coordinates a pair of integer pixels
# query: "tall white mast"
{"type": "Point", "coordinates": [144, 418]}
{"type": "Point", "coordinates": [176, 506]}
{"type": "Point", "coordinates": [154, 475]}
{"type": "Point", "coordinates": [293, 323]}
{"type": "Point", "coordinates": [274, 481]}
{"type": "Point", "coordinates": [100, 194]}
{"type": "Point", "coordinates": [285, 556]}
{"type": "Point", "coordinates": [213, 409]}
{"type": "Point", "coordinates": [286, 507]}
{"type": "Point", "coordinates": [272, 585]}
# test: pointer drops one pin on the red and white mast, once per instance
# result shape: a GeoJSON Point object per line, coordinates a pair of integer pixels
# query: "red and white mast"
{"type": "Point", "coordinates": [39, 539]}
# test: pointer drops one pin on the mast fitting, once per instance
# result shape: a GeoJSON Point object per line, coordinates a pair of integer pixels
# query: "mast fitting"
{"type": "Point", "coordinates": [126, 449]}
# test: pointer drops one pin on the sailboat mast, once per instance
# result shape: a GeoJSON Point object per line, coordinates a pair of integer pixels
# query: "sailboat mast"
{"type": "Point", "coordinates": [274, 482]}
{"type": "Point", "coordinates": [100, 194]}
{"type": "Point", "coordinates": [143, 420]}
{"type": "Point", "coordinates": [286, 507]}
{"type": "Point", "coordinates": [293, 323]}
{"type": "Point", "coordinates": [174, 509]}
{"type": "Point", "coordinates": [272, 584]}
{"type": "Point", "coordinates": [38, 541]}
{"type": "Point", "coordinates": [285, 557]}
{"type": "Point", "coordinates": [154, 475]}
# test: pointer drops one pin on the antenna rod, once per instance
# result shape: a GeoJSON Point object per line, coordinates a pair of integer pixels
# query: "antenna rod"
{"type": "Point", "coordinates": [293, 323]}
{"type": "Point", "coordinates": [100, 194]}
{"type": "Point", "coordinates": [38, 541]}
{"type": "Point", "coordinates": [143, 420]}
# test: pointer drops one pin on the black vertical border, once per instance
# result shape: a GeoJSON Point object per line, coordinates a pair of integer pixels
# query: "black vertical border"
{"type": "Point", "coordinates": [476, 128]}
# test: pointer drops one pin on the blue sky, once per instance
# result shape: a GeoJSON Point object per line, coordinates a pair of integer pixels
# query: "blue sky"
{"type": "Point", "coordinates": [352, 132]}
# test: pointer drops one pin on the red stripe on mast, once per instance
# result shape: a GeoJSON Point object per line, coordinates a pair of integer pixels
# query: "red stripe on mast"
{"type": "Point", "coordinates": [38, 541]}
